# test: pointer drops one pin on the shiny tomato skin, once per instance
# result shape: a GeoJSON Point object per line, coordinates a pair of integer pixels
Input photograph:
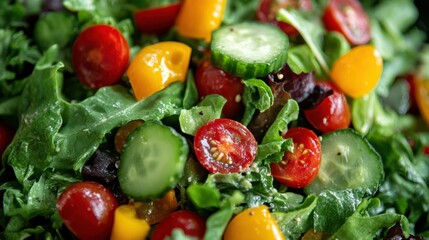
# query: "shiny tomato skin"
{"type": "Point", "coordinates": [332, 113]}
{"type": "Point", "coordinates": [157, 20]}
{"type": "Point", "coordinates": [192, 225]}
{"type": "Point", "coordinates": [87, 209]}
{"type": "Point", "coordinates": [267, 11]}
{"type": "Point", "coordinates": [298, 169]}
{"type": "Point", "coordinates": [212, 80]}
{"type": "Point", "coordinates": [6, 136]}
{"type": "Point", "coordinates": [100, 56]}
{"type": "Point", "coordinates": [348, 18]}
{"type": "Point", "coordinates": [225, 146]}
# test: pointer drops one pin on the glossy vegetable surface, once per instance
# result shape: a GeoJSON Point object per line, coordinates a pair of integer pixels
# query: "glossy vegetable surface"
{"type": "Point", "coordinates": [253, 223]}
{"type": "Point", "coordinates": [225, 146]}
{"type": "Point", "coordinates": [192, 224]}
{"type": "Point", "coordinates": [158, 65]}
{"type": "Point", "coordinates": [157, 20]}
{"type": "Point", "coordinates": [87, 209]}
{"type": "Point", "coordinates": [128, 225]}
{"type": "Point", "coordinates": [348, 18]}
{"type": "Point", "coordinates": [213, 80]}
{"type": "Point", "coordinates": [100, 56]}
{"type": "Point", "coordinates": [197, 19]}
{"type": "Point", "coordinates": [332, 113]}
{"type": "Point", "coordinates": [299, 168]}
{"type": "Point", "coordinates": [357, 72]}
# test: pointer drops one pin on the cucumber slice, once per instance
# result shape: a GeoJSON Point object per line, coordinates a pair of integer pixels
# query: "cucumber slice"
{"type": "Point", "coordinates": [152, 161]}
{"type": "Point", "coordinates": [249, 49]}
{"type": "Point", "coordinates": [348, 162]}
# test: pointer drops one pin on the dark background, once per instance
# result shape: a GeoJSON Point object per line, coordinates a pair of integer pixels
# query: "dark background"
{"type": "Point", "coordinates": [423, 22]}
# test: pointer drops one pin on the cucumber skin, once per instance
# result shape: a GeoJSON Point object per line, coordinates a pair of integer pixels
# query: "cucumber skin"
{"type": "Point", "coordinates": [248, 70]}
{"type": "Point", "coordinates": [172, 180]}
{"type": "Point", "coordinates": [317, 187]}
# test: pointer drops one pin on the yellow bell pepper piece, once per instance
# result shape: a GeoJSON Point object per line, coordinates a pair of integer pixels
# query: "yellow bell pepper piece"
{"type": "Point", "coordinates": [198, 18]}
{"type": "Point", "coordinates": [158, 65]}
{"type": "Point", "coordinates": [127, 225]}
{"type": "Point", "coordinates": [254, 224]}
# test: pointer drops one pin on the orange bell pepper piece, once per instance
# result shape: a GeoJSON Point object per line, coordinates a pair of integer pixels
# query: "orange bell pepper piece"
{"type": "Point", "coordinates": [198, 18]}
{"type": "Point", "coordinates": [158, 65]}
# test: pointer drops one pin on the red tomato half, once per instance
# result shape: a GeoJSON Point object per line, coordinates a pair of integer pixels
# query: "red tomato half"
{"type": "Point", "coordinates": [213, 80]}
{"type": "Point", "coordinates": [268, 9]}
{"type": "Point", "coordinates": [157, 20]}
{"type": "Point", "coordinates": [192, 225]}
{"type": "Point", "coordinates": [224, 146]}
{"type": "Point", "coordinates": [100, 56]}
{"type": "Point", "coordinates": [6, 136]}
{"type": "Point", "coordinates": [348, 18]}
{"type": "Point", "coordinates": [87, 209]}
{"type": "Point", "coordinates": [298, 169]}
{"type": "Point", "coordinates": [332, 113]}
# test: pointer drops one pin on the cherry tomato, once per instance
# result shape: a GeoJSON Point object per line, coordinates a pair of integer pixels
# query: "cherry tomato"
{"type": "Point", "coordinates": [299, 168]}
{"type": "Point", "coordinates": [422, 98]}
{"type": "Point", "coordinates": [100, 56]}
{"type": "Point", "coordinates": [6, 136]}
{"type": "Point", "coordinates": [332, 113]}
{"type": "Point", "coordinates": [87, 209]}
{"type": "Point", "coordinates": [348, 18]}
{"type": "Point", "coordinates": [254, 224]}
{"type": "Point", "coordinates": [157, 20]}
{"type": "Point", "coordinates": [357, 72]}
{"type": "Point", "coordinates": [268, 9]}
{"type": "Point", "coordinates": [192, 224]}
{"type": "Point", "coordinates": [224, 146]}
{"type": "Point", "coordinates": [213, 80]}
{"type": "Point", "coordinates": [410, 78]}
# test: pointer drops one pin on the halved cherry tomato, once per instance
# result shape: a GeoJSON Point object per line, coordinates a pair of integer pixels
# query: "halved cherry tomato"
{"type": "Point", "coordinates": [157, 20]}
{"type": "Point", "coordinates": [100, 56]}
{"type": "Point", "coordinates": [87, 209]}
{"type": "Point", "coordinates": [224, 146]}
{"type": "Point", "coordinates": [348, 18]}
{"type": "Point", "coordinates": [357, 72]}
{"type": "Point", "coordinates": [6, 136]}
{"type": "Point", "coordinates": [213, 80]}
{"type": "Point", "coordinates": [158, 65]}
{"type": "Point", "coordinates": [192, 224]}
{"type": "Point", "coordinates": [268, 9]}
{"type": "Point", "coordinates": [332, 113]}
{"type": "Point", "coordinates": [253, 224]}
{"type": "Point", "coordinates": [299, 168]}
{"type": "Point", "coordinates": [422, 98]}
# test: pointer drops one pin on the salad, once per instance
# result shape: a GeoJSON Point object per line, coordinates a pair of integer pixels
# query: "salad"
{"type": "Point", "coordinates": [214, 119]}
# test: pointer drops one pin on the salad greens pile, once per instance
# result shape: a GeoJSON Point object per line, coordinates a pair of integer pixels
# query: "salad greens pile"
{"type": "Point", "coordinates": [60, 124]}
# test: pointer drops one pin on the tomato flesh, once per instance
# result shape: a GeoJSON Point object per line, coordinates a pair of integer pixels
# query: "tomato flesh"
{"type": "Point", "coordinates": [268, 9]}
{"type": "Point", "coordinates": [298, 169]}
{"type": "Point", "coordinates": [332, 113]}
{"type": "Point", "coordinates": [192, 224]}
{"type": "Point", "coordinates": [157, 20]}
{"type": "Point", "coordinates": [87, 209]}
{"type": "Point", "coordinates": [100, 56]}
{"type": "Point", "coordinates": [225, 146]}
{"type": "Point", "coordinates": [212, 80]}
{"type": "Point", "coordinates": [348, 18]}
{"type": "Point", "coordinates": [6, 136]}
